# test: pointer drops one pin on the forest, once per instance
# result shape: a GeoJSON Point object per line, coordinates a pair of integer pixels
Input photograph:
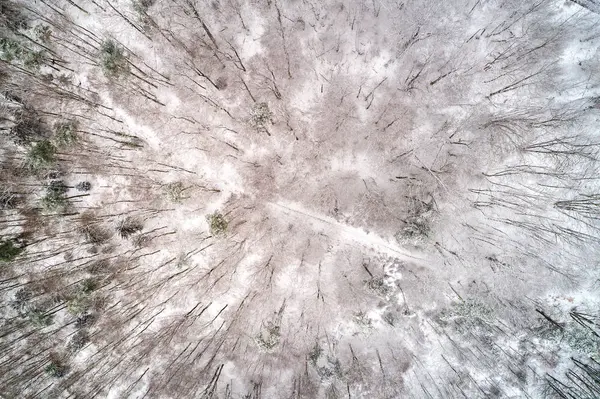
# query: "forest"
{"type": "Point", "coordinates": [256, 199]}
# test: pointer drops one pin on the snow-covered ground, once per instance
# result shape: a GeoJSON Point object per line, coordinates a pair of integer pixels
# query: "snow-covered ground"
{"type": "Point", "coordinates": [409, 192]}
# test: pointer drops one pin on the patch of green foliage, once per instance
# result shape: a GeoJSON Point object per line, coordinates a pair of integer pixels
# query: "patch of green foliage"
{"type": "Point", "coordinates": [9, 250]}
{"type": "Point", "coordinates": [88, 286]}
{"type": "Point", "coordinates": [55, 198]}
{"type": "Point", "coordinates": [113, 60]}
{"type": "Point", "coordinates": [79, 304]}
{"type": "Point", "coordinates": [468, 313]}
{"type": "Point", "coordinates": [81, 300]}
{"type": "Point", "coordinates": [578, 338]}
{"type": "Point", "coordinates": [65, 134]}
{"type": "Point", "coordinates": [270, 338]}
{"type": "Point", "coordinates": [41, 155]}
{"type": "Point", "coordinates": [33, 59]}
{"type": "Point", "coordinates": [56, 369]}
{"type": "Point", "coordinates": [174, 191]}
{"type": "Point", "coordinates": [260, 116]}
{"type": "Point", "coordinates": [11, 50]}
{"type": "Point", "coordinates": [217, 224]}
{"type": "Point", "coordinates": [141, 8]}
{"type": "Point", "coordinates": [77, 341]}
{"type": "Point", "coordinates": [42, 33]}
{"type": "Point", "coordinates": [39, 317]}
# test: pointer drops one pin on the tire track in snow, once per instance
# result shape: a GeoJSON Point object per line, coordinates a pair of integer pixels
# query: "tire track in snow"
{"type": "Point", "coordinates": [346, 232]}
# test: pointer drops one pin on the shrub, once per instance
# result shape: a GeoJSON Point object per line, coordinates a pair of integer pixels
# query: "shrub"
{"type": "Point", "coordinates": [27, 128]}
{"type": "Point", "coordinates": [9, 250]}
{"type": "Point", "coordinates": [379, 286]}
{"type": "Point", "coordinates": [33, 59]}
{"type": "Point", "coordinates": [468, 313]}
{"type": "Point", "coordinates": [140, 240]}
{"type": "Point", "coordinates": [576, 337]}
{"type": "Point", "coordinates": [362, 320]}
{"type": "Point", "coordinates": [77, 341]}
{"type": "Point", "coordinates": [42, 33]}
{"type": "Point", "coordinates": [56, 369]}
{"type": "Point", "coordinates": [84, 320]}
{"type": "Point", "coordinates": [55, 198]}
{"type": "Point", "coordinates": [21, 301]}
{"type": "Point", "coordinates": [315, 354]}
{"type": "Point", "coordinates": [94, 234]}
{"type": "Point", "coordinates": [65, 133]}
{"type": "Point", "coordinates": [174, 191]}
{"type": "Point", "coordinates": [83, 186]}
{"type": "Point", "coordinates": [260, 116]}
{"type": "Point", "coordinates": [142, 6]}
{"type": "Point", "coordinates": [81, 300]}
{"type": "Point", "coordinates": [217, 223]}
{"type": "Point", "coordinates": [38, 317]}
{"type": "Point", "coordinates": [270, 338]}
{"type": "Point", "coordinates": [418, 222]}
{"type": "Point", "coordinates": [113, 60]}
{"type": "Point", "coordinates": [10, 49]}
{"type": "Point", "coordinates": [88, 285]}
{"type": "Point", "coordinates": [41, 155]}
{"type": "Point", "coordinates": [99, 267]}
{"type": "Point", "coordinates": [8, 199]}
{"type": "Point", "coordinates": [128, 227]}
{"type": "Point", "coordinates": [79, 304]}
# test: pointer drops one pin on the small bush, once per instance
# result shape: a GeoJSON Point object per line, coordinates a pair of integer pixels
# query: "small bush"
{"type": "Point", "coordinates": [315, 354]}
{"type": "Point", "coordinates": [129, 226]}
{"type": "Point", "coordinates": [20, 301]}
{"type": "Point", "coordinates": [55, 198]}
{"type": "Point", "coordinates": [39, 317]}
{"type": "Point", "coordinates": [217, 224]}
{"type": "Point", "coordinates": [84, 320]}
{"type": "Point", "coordinates": [576, 337]}
{"type": "Point", "coordinates": [93, 234]}
{"type": "Point", "coordinates": [79, 304]}
{"type": "Point", "coordinates": [260, 116]}
{"type": "Point", "coordinates": [378, 286]}
{"type": "Point", "coordinates": [28, 127]}
{"type": "Point", "coordinates": [77, 341]}
{"type": "Point", "coordinates": [33, 59]}
{"type": "Point", "coordinates": [41, 155]}
{"type": "Point", "coordinates": [113, 60]}
{"type": "Point", "coordinates": [142, 6]}
{"type": "Point", "coordinates": [65, 134]}
{"type": "Point", "coordinates": [174, 191]}
{"type": "Point", "coordinates": [468, 313]}
{"type": "Point", "coordinates": [8, 199]}
{"type": "Point", "coordinates": [83, 186]}
{"type": "Point", "coordinates": [43, 33]}
{"type": "Point", "coordinates": [417, 226]}
{"type": "Point", "coordinates": [99, 267]}
{"type": "Point", "coordinates": [363, 321]}
{"type": "Point", "coordinates": [9, 250]}
{"type": "Point", "coordinates": [270, 338]}
{"type": "Point", "coordinates": [10, 49]}
{"type": "Point", "coordinates": [88, 285]}
{"type": "Point", "coordinates": [140, 240]}
{"type": "Point", "coordinates": [56, 369]}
